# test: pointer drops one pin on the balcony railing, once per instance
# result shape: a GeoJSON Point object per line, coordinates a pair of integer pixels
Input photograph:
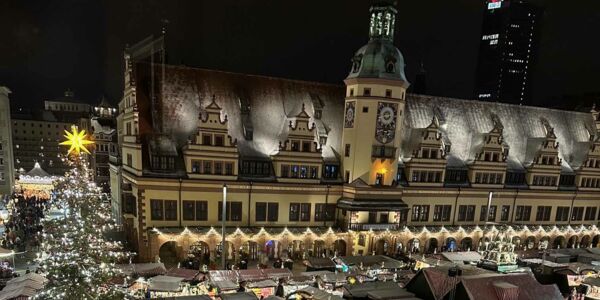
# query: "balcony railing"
{"type": "Point", "coordinates": [383, 152]}
{"type": "Point", "coordinates": [380, 226]}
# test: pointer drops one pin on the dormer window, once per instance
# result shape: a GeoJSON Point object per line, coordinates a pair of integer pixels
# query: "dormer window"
{"type": "Point", "coordinates": [390, 67]}
{"type": "Point", "coordinates": [295, 146]}
{"type": "Point", "coordinates": [306, 146]}
{"type": "Point", "coordinates": [206, 139]}
{"type": "Point", "coordinates": [219, 140]}
{"type": "Point", "coordinates": [356, 63]}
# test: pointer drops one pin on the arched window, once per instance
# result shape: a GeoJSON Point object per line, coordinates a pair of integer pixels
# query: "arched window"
{"type": "Point", "coordinates": [390, 67]}
{"type": "Point", "coordinates": [356, 63]}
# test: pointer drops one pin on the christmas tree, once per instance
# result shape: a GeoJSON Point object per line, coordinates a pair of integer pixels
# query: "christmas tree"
{"type": "Point", "coordinates": [75, 256]}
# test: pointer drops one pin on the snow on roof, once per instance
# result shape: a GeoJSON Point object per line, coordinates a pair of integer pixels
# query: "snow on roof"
{"type": "Point", "coordinates": [273, 102]}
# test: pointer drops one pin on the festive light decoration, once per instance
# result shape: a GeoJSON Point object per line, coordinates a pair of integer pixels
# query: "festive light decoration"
{"type": "Point", "coordinates": [76, 140]}
{"type": "Point", "coordinates": [75, 257]}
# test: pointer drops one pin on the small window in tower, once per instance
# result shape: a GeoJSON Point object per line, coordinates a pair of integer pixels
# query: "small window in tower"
{"type": "Point", "coordinates": [390, 67]}
{"type": "Point", "coordinates": [351, 92]}
{"type": "Point", "coordinates": [388, 93]}
{"type": "Point", "coordinates": [367, 92]}
{"type": "Point", "coordinates": [365, 109]}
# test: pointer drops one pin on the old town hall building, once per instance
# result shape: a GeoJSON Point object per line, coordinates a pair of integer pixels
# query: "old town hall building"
{"type": "Point", "coordinates": [355, 169]}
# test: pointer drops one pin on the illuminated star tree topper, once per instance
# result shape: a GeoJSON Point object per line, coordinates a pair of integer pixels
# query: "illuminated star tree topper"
{"type": "Point", "coordinates": [76, 140]}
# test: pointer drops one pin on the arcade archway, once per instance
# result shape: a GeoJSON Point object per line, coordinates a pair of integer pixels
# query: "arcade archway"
{"type": "Point", "coordinates": [466, 244]}
{"type": "Point", "coordinates": [168, 253]}
{"type": "Point", "coordinates": [339, 247]}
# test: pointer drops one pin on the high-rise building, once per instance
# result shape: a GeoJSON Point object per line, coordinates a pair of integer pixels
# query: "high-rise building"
{"type": "Point", "coordinates": [507, 51]}
{"type": "Point", "coordinates": [6, 151]}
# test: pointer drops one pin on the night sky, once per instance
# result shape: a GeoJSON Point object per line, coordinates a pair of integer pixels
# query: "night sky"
{"type": "Point", "coordinates": [50, 46]}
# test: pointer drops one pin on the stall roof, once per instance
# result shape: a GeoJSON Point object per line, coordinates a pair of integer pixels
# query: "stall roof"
{"type": "Point", "coordinates": [333, 277]}
{"type": "Point", "coordinates": [225, 285]}
{"type": "Point", "coordinates": [318, 294]}
{"type": "Point", "coordinates": [361, 290]}
{"type": "Point", "coordinates": [239, 296]}
{"type": "Point", "coordinates": [372, 261]}
{"type": "Point", "coordinates": [315, 273]}
{"type": "Point", "coordinates": [460, 257]}
{"type": "Point", "coordinates": [262, 284]}
{"type": "Point", "coordinates": [222, 275]}
{"type": "Point", "coordinates": [164, 283]}
{"type": "Point", "coordinates": [186, 274]}
{"type": "Point", "coordinates": [277, 273]}
{"type": "Point", "coordinates": [143, 269]}
{"type": "Point", "coordinates": [191, 297]}
{"type": "Point", "coordinates": [251, 275]}
{"type": "Point", "coordinates": [320, 263]}
{"type": "Point", "coordinates": [34, 285]}
{"type": "Point", "coordinates": [29, 276]}
{"type": "Point", "coordinates": [15, 294]}
{"type": "Point", "coordinates": [390, 294]}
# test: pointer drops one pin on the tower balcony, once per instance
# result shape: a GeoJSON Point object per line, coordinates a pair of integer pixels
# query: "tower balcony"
{"type": "Point", "coordinates": [383, 152]}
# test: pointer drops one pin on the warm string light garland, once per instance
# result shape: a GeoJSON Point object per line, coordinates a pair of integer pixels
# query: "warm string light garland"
{"type": "Point", "coordinates": [75, 256]}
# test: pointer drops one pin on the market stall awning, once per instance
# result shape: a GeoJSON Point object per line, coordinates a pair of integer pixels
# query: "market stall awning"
{"type": "Point", "coordinates": [353, 204]}
{"type": "Point", "coordinates": [222, 275]}
{"type": "Point", "coordinates": [318, 294]}
{"type": "Point", "coordinates": [22, 293]}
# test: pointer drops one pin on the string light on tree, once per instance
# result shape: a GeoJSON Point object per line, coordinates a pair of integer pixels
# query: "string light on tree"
{"type": "Point", "coordinates": [75, 256]}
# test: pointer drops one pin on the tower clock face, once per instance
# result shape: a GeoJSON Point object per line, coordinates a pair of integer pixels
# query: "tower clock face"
{"type": "Point", "coordinates": [349, 117]}
{"type": "Point", "coordinates": [385, 130]}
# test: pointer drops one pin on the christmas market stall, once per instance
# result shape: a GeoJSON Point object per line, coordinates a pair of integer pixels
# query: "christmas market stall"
{"type": "Point", "coordinates": [238, 296]}
{"type": "Point", "coordinates": [263, 288]}
{"type": "Point", "coordinates": [164, 286]}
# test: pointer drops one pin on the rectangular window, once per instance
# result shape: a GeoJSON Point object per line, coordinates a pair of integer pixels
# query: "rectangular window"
{"type": "Point", "coordinates": [466, 213]}
{"type": "Point", "coordinates": [331, 171]}
{"type": "Point", "coordinates": [188, 210]}
{"type": "Point", "coordinates": [228, 168]}
{"type": "Point", "coordinates": [441, 213]}
{"type": "Point", "coordinates": [347, 150]}
{"type": "Point", "coordinates": [305, 212]}
{"type": "Point", "coordinates": [233, 212]}
{"type": "Point", "coordinates": [420, 213]}
{"type": "Point", "coordinates": [295, 146]}
{"type": "Point", "coordinates": [218, 168]}
{"type": "Point", "coordinates": [207, 167]}
{"type": "Point", "coordinates": [388, 93]}
{"type": "Point", "coordinates": [303, 171]}
{"type": "Point", "coordinates": [577, 214]}
{"type": "Point", "coordinates": [206, 139]}
{"type": "Point", "coordinates": [156, 208]}
{"type": "Point", "coordinates": [492, 215]}
{"type": "Point", "coordinates": [261, 212]}
{"type": "Point", "coordinates": [273, 211]}
{"type": "Point", "coordinates": [523, 213]}
{"type": "Point", "coordinates": [285, 171]}
{"type": "Point", "coordinates": [171, 210]}
{"type": "Point", "coordinates": [306, 146]}
{"type": "Point", "coordinates": [324, 212]}
{"type": "Point", "coordinates": [219, 140]}
{"type": "Point", "coordinates": [295, 171]}
{"type": "Point", "coordinates": [590, 213]}
{"type": "Point", "coordinates": [129, 159]}
{"type": "Point", "coordinates": [314, 172]}
{"type": "Point", "coordinates": [365, 109]}
{"type": "Point", "coordinates": [294, 214]}
{"type": "Point", "coordinates": [543, 213]}
{"type": "Point", "coordinates": [562, 213]}
{"type": "Point", "coordinates": [201, 210]}
{"type": "Point", "coordinates": [504, 213]}
{"type": "Point", "coordinates": [351, 92]}
{"type": "Point", "coordinates": [366, 92]}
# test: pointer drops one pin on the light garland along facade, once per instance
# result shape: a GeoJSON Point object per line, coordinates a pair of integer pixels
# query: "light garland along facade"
{"type": "Point", "coordinates": [315, 168]}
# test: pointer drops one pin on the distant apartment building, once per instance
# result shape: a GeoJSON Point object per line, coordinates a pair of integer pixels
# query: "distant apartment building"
{"type": "Point", "coordinates": [6, 150]}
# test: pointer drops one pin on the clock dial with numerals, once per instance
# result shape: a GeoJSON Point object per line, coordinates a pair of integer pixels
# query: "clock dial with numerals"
{"type": "Point", "coordinates": [385, 129]}
{"type": "Point", "coordinates": [349, 116]}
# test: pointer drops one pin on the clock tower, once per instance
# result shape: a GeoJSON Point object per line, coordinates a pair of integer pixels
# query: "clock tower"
{"type": "Point", "coordinates": [374, 104]}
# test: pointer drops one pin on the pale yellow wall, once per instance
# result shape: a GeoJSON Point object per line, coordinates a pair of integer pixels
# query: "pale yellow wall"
{"type": "Point", "coordinates": [362, 136]}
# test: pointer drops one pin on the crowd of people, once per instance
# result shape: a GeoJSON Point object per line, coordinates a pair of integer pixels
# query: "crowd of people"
{"type": "Point", "coordinates": [24, 222]}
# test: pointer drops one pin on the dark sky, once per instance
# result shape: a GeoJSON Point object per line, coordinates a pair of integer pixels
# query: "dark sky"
{"type": "Point", "coordinates": [49, 46]}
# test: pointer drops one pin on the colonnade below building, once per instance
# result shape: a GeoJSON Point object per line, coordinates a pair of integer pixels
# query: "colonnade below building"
{"type": "Point", "coordinates": [300, 243]}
